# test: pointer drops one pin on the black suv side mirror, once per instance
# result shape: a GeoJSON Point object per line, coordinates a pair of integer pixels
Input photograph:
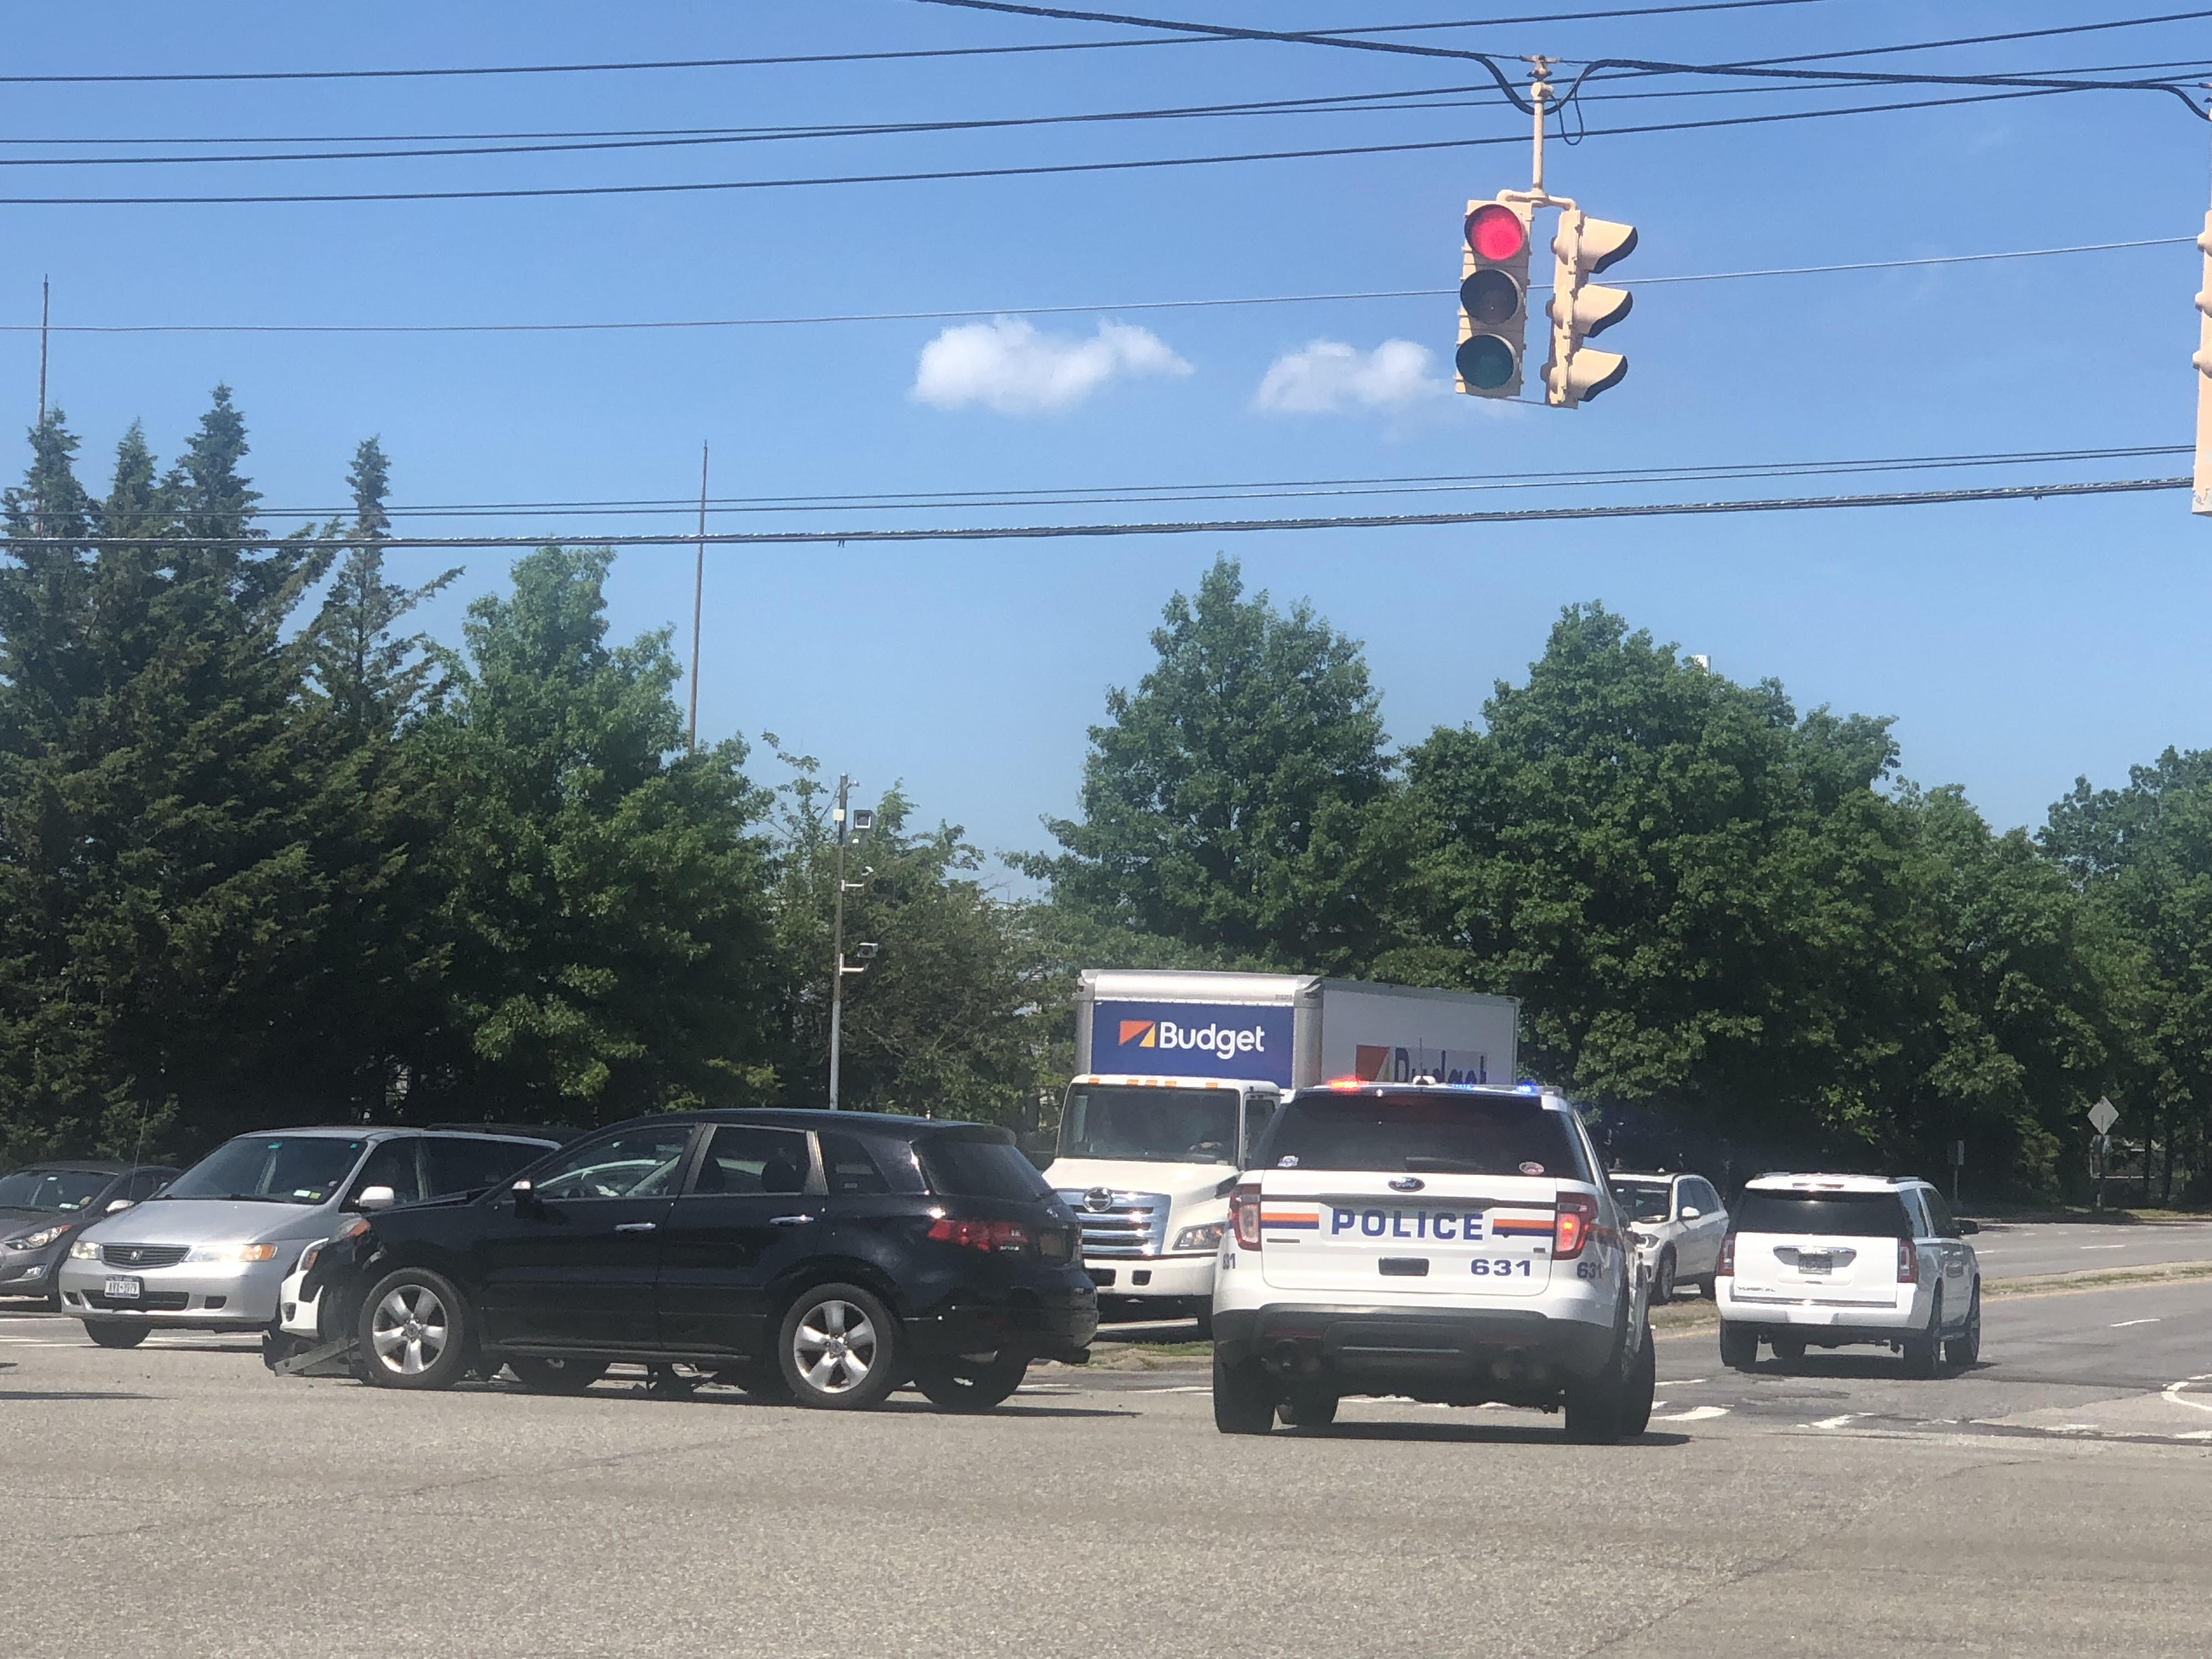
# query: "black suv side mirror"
{"type": "Point", "coordinates": [1967, 1227]}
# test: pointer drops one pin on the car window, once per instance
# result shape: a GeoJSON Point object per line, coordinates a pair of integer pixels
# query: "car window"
{"type": "Point", "coordinates": [1259, 1112]}
{"type": "Point", "coordinates": [1641, 1200]}
{"type": "Point", "coordinates": [1939, 1212]}
{"type": "Point", "coordinates": [146, 1183]}
{"type": "Point", "coordinates": [742, 1159]}
{"type": "Point", "coordinates": [1846, 1215]}
{"type": "Point", "coordinates": [636, 1162]}
{"type": "Point", "coordinates": [392, 1164]}
{"type": "Point", "coordinates": [468, 1163]}
{"type": "Point", "coordinates": [1707, 1199]}
{"type": "Point", "coordinates": [272, 1168]}
{"type": "Point", "coordinates": [850, 1167]}
{"type": "Point", "coordinates": [51, 1191]}
{"type": "Point", "coordinates": [1439, 1133]}
{"type": "Point", "coordinates": [968, 1166]}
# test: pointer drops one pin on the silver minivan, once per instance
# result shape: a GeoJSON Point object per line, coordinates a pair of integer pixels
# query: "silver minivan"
{"type": "Point", "coordinates": [211, 1249]}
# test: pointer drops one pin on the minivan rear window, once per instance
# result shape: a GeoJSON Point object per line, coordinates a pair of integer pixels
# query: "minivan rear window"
{"type": "Point", "coordinates": [1438, 1133]}
{"type": "Point", "coordinates": [963, 1166]}
{"type": "Point", "coordinates": [1846, 1215]}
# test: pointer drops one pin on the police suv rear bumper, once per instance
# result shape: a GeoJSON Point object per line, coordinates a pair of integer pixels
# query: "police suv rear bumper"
{"type": "Point", "coordinates": [1471, 1352]}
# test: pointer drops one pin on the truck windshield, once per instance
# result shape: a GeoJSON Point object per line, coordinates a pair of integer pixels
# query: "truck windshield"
{"type": "Point", "coordinates": [1153, 1126]}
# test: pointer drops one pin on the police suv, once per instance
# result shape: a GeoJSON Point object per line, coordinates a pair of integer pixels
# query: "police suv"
{"type": "Point", "coordinates": [1451, 1243]}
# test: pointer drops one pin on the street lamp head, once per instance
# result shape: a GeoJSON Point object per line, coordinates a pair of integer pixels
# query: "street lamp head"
{"type": "Point", "coordinates": [866, 952]}
{"type": "Point", "coordinates": [864, 820]}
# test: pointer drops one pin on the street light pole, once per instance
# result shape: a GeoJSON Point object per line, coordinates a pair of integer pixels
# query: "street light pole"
{"type": "Point", "coordinates": [837, 942]}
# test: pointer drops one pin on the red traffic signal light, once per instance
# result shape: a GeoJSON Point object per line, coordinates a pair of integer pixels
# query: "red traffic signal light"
{"type": "Point", "coordinates": [1497, 233]}
{"type": "Point", "coordinates": [1493, 299]}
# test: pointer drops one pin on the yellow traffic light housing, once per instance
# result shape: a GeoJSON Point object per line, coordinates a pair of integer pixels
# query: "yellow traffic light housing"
{"type": "Point", "coordinates": [1581, 309]}
{"type": "Point", "coordinates": [1493, 299]}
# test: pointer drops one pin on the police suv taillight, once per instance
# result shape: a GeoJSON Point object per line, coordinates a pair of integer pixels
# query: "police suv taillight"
{"type": "Point", "coordinates": [1577, 1215]}
{"type": "Point", "coordinates": [1244, 1216]}
{"type": "Point", "coordinates": [1908, 1262]}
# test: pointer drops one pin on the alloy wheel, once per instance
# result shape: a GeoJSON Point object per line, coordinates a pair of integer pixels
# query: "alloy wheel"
{"type": "Point", "coordinates": [835, 1346]}
{"type": "Point", "coordinates": [410, 1331]}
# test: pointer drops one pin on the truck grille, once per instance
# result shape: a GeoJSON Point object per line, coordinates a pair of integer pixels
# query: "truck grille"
{"type": "Point", "coordinates": [143, 1255]}
{"type": "Point", "coordinates": [1129, 1223]}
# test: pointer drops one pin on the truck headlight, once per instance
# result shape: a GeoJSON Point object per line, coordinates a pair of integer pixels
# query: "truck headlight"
{"type": "Point", "coordinates": [1207, 1237]}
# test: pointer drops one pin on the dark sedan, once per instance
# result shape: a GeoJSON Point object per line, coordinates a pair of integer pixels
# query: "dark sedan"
{"type": "Point", "coordinates": [820, 1257]}
{"type": "Point", "coordinates": [44, 1205]}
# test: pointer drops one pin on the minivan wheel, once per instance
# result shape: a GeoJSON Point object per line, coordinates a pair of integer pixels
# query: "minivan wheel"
{"type": "Point", "coordinates": [971, 1381]}
{"type": "Point", "coordinates": [414, 1331]}
{"type": "Point", "coordinates": [1243, 1397]}
{"type": "Point", "coordinates": [838, 1348]}
{"type": "Point", "coordinates": [1923, 1349]}
{"type": "Point", "coordinates": [548, 1376]}
{"type": "Point", "coordinates": [1967, 1347]}
{"type": "Point", "coordinates": [1739, 1345]}
{"type": "Point", "coordinates": [116, 1333]}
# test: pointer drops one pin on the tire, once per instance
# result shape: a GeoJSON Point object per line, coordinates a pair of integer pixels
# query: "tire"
{"type": "Point", "coordinates": [1662, 1279]}
{"type": "Point", "coordinates": [971, 1381]}
{"type": "Point", "coordinates": [414, 1331]}
{"type": "Point", "coordinates": [1739, 1346]}
{"type": "Point", "coordinates": [1709, 1286]}
{"type": "Point", "coordinates": [1790, 1350]}
{"type": "Point", "coordinates": [116, 1334]}
{"type": "Point", "coordinates": [1923, 1349]}
{"type": "Point", "coordinates": [542, 1376]}
{"type": "Point", "coordinates": [1306, 1409]}
{"type": "Point", "coordinates": [1206, 1320]}
{"type": "Point", "coordinates": [1643, 1384]}
{"type": "Point", "coordinates": [1598, 1410]}
{"type": "Point", "coordinates": [839, 1349]}
{"type": "Point", "coordinates": [1243, 1397]}
{"type": "Point", "coordinates": [1965, 1348]}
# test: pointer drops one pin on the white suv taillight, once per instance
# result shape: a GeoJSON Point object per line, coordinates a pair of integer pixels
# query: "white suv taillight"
{"type": "Point", "coordinates": [1577, 1215]}
{"type": "Point", "coordinates": [1726, 1265]}
{"type": "Point", "coordinates": [1244, 1216]}
{"type": "Point", "coordinates": [1908, 1262]}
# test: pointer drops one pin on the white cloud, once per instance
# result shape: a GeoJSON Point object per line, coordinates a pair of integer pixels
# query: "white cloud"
{"type": "Point", "coordinates": [1008, 365]}
{"type": "Point", "coordinates": [1327, 375]}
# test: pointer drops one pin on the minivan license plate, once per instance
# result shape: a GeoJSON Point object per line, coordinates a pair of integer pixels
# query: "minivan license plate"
{"type": "Point", "coordinates": [123, 1290]}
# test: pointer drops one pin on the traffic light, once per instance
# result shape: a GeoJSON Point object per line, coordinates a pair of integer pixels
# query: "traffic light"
{"type": "Point", "coordinates": [1493, 300]}
{"type": "Point", "coordinates": [1580, 309]}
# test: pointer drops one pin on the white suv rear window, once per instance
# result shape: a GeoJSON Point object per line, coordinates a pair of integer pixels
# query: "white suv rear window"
{"type": "Point", "coordinates": [1433, 1132]}
{"type": "Point", "coordinates": [1845, 1215]}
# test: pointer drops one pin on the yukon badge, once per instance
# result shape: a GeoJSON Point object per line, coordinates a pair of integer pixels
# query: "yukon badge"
{"type": "Point", "coordinates": [1407, 1184]}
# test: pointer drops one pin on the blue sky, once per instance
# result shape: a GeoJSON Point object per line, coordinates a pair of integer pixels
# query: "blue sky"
{"type": "Point", "coordinates": [2018, 645]}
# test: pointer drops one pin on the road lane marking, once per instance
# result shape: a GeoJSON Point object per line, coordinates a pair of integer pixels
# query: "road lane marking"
{"type": "Point", "coordinates": [2173, 1395]}
{"type": "Point", "coordinates": [2104, 1247]}
{"type": "Point", "coordinates": [2124, 1323]}
{"type": "Point", "coordinates": [1684, 1383]}
{"type": "Point", "coordinates": [1695, 1414]}
{"type": "Point", "coordinates": [1832, 1422]}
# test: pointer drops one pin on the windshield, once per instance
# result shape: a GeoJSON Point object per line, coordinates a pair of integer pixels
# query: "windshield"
{"type": "Point", "coordinates": [1642, 1200]}
{"type": "Point", "coordinates": [1153, 1126]}
{"type": "Point", "coordinates": [1437, 1133]}
{"type": "Point", "coordinates": [53, 1190]}
{"type": "Point", "coordinates": [1847, 1215]}
{"type": "Point", "coordinates": [272, 1168]}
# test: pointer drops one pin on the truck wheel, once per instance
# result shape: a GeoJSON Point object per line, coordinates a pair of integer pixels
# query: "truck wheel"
{"type": "Point", "coordinates": [1243, 1397]}
{"type": "Point", "coordinates": [115, 1332]}
{"type": "Point", "coordinates": [414, 1331]}
{"type": "Point", "coordinates": [558, 1376]}
{"type": "Point", "coordinates": [1739, 1345]}
{"type": "Point", "coordinates": [1307, 1409]}
{"type": "Point", "coordinates": [1967, 1347]}
{"type": "Point", "coordinates": [971, 1381]}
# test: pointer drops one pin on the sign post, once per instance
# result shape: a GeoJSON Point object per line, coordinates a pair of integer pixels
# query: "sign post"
{"type": "Point", "coordinates": [2102, 1117]}
{"type": "Point", "coordinates": [1957, 1162]}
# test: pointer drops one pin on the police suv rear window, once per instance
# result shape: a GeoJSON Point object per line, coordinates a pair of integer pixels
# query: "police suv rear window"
{"type": "Point", "coordinates": [963, 1166]}
{"type": "Point", "coordinates": [1848, 1215]}
{"type": "Point", "coordinates": [1439, 1133]}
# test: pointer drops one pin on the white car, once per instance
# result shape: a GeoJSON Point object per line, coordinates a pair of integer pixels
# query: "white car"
{"type": "Point", "coordinates": [1824, 1260]}
{"type": "Point", "coordinates": [1679, 1222]}
{"type": "Point", "coordinates": [1453, 1243]}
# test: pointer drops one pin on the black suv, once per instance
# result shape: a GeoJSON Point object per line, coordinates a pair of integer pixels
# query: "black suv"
{"type": "Point", "coordinates": [821, 1257]}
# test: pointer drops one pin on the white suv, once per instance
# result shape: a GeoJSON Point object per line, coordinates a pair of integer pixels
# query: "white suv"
{"type": "Point", "coordinates": [1825, 1261]}
{"type": "Point", "coordinates": [1679, 1222]}
{"type": "Point", "coordinates": [1451, 1243]}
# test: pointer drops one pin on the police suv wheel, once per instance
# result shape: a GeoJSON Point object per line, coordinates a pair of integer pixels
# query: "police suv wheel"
{"type": "Point", "coordinates": [1243, 1397]}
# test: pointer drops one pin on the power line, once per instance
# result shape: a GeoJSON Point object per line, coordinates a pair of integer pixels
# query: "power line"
{"type": "Point", "coordinates": [1055, 310]}
{"type": "Point", "coordinates": [1215, 527]}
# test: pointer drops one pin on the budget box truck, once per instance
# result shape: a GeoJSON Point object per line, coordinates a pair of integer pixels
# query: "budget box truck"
{"type": "Point", "coordinates": [1178, 1073]}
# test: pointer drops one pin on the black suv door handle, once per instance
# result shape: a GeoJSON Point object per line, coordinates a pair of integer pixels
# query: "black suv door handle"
{"type": "Point", "coordinates": [637, 1227]}
{"type": "Point", "coordinates": [789, 1220]}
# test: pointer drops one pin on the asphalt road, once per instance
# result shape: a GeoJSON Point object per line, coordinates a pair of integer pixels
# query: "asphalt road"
{"type": "Point", "coordinates": [175, 1500]}
{"type": "Point", "coordinates": [2026, 1249]}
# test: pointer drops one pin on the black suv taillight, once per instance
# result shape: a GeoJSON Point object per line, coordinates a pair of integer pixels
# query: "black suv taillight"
{"type": "Point", "coordinates": [1009, 1237]}
{"type": "Point", "coordinates": [1244, 1216]}
{"type": "Point", "coordinates": [1572, 1231]}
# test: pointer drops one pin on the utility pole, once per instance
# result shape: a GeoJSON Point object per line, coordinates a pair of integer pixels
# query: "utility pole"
{"type": "Point", "coordinates": [2200, 493]}
{"type": "Point", "coordinates": [848, 824]}
{"type": "Point", "coordinates": [46, 312]}
{"type": "Point", "coordinates": [698, 596]}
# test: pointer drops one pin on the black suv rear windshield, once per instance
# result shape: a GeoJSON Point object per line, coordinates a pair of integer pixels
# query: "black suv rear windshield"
{"type": "Point", "coordinates": [963, 1166]}
{"type": "Point", "coordinates": [1848, 1215]}
{"type": "Point", "coordinates": [1439, 1133]}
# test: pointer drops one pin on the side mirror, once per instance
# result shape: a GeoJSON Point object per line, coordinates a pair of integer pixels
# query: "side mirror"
{"type": "Point", "coordinates": [115, 1206]}
{"type": "Point", "coordinates": [376, 1198]}
{"type": "Point", "coordinates": [526, 1201]}
{"type": "Point", "coordinates": [1967, 1227]}
{"type": "Point", "coordinates": [1690, 1212]}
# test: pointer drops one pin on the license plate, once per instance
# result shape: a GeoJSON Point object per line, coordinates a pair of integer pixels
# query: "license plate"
{"type": "Point", "coordinates": [1807, 1263]}
{"type": "Point", "coordinates": [123, 1290]}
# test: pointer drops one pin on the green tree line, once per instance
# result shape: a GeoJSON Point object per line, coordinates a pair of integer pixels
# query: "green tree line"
{"type": "Point", "coordinates": [269, 854]}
